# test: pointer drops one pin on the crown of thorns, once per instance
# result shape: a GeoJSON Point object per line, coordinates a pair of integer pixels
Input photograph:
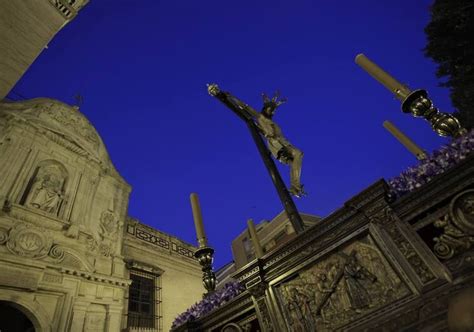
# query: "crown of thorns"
{"type": "Point", "coordinates": [274, 102]}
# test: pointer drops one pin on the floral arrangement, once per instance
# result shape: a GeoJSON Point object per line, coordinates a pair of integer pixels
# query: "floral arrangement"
{"type": "Point", "coordinates": [438, 162]}
{"type": "Point", "coordinates": [209, 303]}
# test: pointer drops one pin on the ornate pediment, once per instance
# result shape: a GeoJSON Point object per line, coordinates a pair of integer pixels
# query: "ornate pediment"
{"type": "Point", "coordinates": [61, 123]}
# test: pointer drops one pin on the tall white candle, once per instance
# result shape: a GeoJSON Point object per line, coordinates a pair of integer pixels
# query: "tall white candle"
{"type": "Point", "coordinates": [402, 138]}
{"type": "Point", "coordinates": [201, 235]}
{"type": "Point", "coordinates": [401, 91]}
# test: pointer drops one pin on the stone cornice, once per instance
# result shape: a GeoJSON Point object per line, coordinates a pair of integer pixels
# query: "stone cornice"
{"type": "Point", "coordinates": [157, 239]}
{"type": "Point", "coordinates": [68, 8]}
{"type": "Point", "coordinates": [164, 257]}
{"type": "Point", "coordinates": [138, 265]}
{"type": "Point", "coordinates": [97, 277]}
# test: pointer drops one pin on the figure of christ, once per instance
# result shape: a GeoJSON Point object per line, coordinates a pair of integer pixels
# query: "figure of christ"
{"type": "Point", "coordinates": [280, 148]}
{"type": "Point", "coordinates": [354, 274]}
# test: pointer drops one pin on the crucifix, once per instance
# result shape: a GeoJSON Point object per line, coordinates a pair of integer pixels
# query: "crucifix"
{"type": "Point", "coordinates": [261, 124]}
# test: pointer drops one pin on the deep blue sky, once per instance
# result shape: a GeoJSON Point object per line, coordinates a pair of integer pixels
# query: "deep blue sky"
{"type": "Point", "coordinates": [142, 67]}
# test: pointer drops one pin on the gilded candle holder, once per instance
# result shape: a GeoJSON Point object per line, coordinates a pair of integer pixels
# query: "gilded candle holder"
{"type": "Point", "coordinates": [419, 104]}
{"type": "Point", "coordinates": [205, 258]}
{"type": "Point", "coordinates": [415, 102]}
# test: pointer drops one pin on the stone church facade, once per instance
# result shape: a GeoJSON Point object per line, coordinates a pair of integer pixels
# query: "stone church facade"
{"type": "Point", "coordinates": [71, 258]}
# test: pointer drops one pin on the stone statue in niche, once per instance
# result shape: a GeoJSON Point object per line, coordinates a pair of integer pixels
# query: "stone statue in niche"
{"type": "Point", "coordinates": [47, 192]}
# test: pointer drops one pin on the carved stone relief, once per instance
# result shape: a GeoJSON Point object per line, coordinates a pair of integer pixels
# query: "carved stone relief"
{"type": "Point", "coordinates": [108, 224]}
{"type": "Point", "coordinates": [28, 241]}
{"type": "Point", "coordinates": [107, 233]}
{"type": "Point", "coordinates": [32, 242]}
{"type": "Point", "coordinates": [340, 288]}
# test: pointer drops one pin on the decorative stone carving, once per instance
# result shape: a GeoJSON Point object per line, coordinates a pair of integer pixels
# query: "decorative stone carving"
{"type": "Point", "coordinates": [232, 327]}
{"type": "Point", "coordinates": [390, 223]}
{"type": "Point", "coordinates": [108, 224]}
{"type": "Point", "coordinates": [56, 252]}
{"type": "Point", "coordinates": [264, 316]}
{"type": "Point", "coordinates": [53, 278]}
{"type": "Point", "coordinates": [3, 235]}
{"type": "Point", "coordinates": [461, 263]}
{"type": "Point", "coordinates": [340, 288]}
{"type": "Point", "coordinates": [28, 241]}
{"type": "Point", "coordinates": [103, 241]}
{"type": "Point", "coordinates": [105, 250]}
{"type": "Point", "coordinates": [462, 211]}
{"type": "Point", "coordinates": [246, 324]}
{"type": "Point", "coordinates": [61, 123]}
{"type": "Point", "coordinates": [72, 261]}
{"type": "Point", "coordinates": [457, 226]}
{"type": "Point", "coordinates": [72, 231]}
{"type": "Point", "coordinates": [91, 244]}
{"type": "Point", "coordinates": [73, 121]}
{"type": "Point", "coordinates": [257, 290]}
{"type": "Point", "coordinates": [46, 189]}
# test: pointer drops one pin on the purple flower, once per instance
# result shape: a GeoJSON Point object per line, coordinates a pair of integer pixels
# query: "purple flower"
{"type": "Point", "coordinates": [437, 163]}
{"type": "Point", "coordinates": [213, 301]}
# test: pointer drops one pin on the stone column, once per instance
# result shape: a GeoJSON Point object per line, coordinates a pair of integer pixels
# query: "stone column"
{"type": "Point", "coordinates": [13, 162]}
{"type": "Point", "coordinates": [114, 318]}
{"type": "Point", "coordinates": [78, 316]}
{"type": "Point", "coordinates": [257, 288]}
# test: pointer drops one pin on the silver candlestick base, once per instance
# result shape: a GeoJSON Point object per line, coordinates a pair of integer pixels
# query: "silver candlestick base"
{"type": "Point", "coordinates": [444, 124]}
{"type": "Point", "coordinates": [204, 256]}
